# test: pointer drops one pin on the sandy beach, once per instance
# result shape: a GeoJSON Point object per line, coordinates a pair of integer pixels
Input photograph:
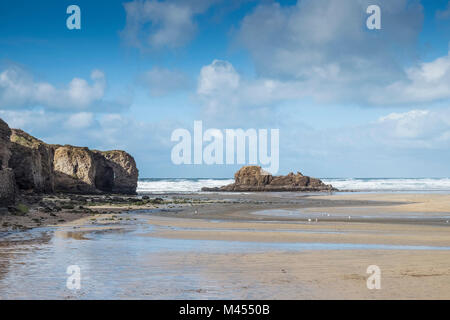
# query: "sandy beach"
{"type": "Point", "coordinates": [249, 246]}
{"type": "Point", "coordinates": [419, 268]}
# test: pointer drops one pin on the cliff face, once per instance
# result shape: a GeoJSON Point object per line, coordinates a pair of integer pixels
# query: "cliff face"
{"type": "Point", "coordinates": [253, 178]}
{"type": "Point", "coordinates": [32, 162]}
{"type": "Point", "coordinates": [7, 181]}
{"type": "Point", "coordinates": [5, 133]}
{"type": "Point", "coordinates": [124, 171]}
{"type": "Point", "coordinates": [91, 171]}
{"type": "Point", "coordinates": [74, 170]}
{"type": "Point", "coordinates": [35, 166]}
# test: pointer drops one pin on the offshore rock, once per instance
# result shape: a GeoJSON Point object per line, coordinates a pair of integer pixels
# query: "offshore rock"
{"type": "Point", "coordinates": [254, 178]}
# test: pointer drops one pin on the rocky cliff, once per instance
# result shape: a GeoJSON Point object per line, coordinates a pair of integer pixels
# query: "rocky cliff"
{"type": "Point", "coordinates": [32, 162]}
{"type": "Point", "coordinates": [254, 178]}
{"type": "Point", "coordinates": [91, 171]}
{"type": "Point", "coordinates": [75, 170]}
{"type": "Point", "coordinates": [123, 170]}
{"type": "Point", "coordinates": [31, 165]}
{"type": "Point", "coordinates": [5, 153]}
{"type": "Point", "coordinates": [7, 181]}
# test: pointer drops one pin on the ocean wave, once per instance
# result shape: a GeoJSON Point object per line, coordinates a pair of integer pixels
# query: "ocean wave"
{"type": "Point", "coordinates": [391, 184]}
{"type": "Point", "coordinates": [358, 184]}
{"type": "Point", "coordinates": [179, 185]}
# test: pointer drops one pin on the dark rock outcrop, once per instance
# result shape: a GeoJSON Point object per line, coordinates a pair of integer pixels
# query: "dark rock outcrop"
{"type": "Point", "coordinates": [7, 181]}
{"type": "Point", "coordinates": [254, 178]}
{"type": "Point", "coordinates": [123, 171]}
{"type": "Point", "coordinates": [7, 187]}
{"type": "Point", "coordinates": [5, 153]}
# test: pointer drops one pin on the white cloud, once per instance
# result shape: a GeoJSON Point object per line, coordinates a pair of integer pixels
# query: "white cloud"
{"type": "Point", "coordinates": [327, 37]}
{"type": "Point", "coordinates": [19, 89]}
{"type": "Point", "coordinates": [80, 120]}
{"type": "Point", "coordinates": [217, 77]}
{"type": "Point", "coordinates": [228, 96]}
{"type": "Point", "coordinates": [44, 123]}
{"type": "Point", "coordinates": [324, 50]}
{"type": "Point", "coordinates": [159, 24]}
{"type": "Point", "coordinates": [415, 129]}
{"type": "Point", "coordinates": [411, 124]}
{"type": "Point", "coordinates": [30, 119]}
{"type": "Point", "coordinates": [220, 86]}
{"type": "Point", "coordinates": [426, 82]}
{"type": "Point", "coordinates": [160, 81]}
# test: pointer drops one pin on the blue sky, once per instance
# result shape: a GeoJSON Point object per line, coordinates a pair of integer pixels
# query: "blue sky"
{"type": "Point", "coordinates": [349, 102]}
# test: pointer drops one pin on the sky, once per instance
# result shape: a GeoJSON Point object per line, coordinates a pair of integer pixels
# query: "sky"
{"type": "Point", "coordinates": [348, 101]}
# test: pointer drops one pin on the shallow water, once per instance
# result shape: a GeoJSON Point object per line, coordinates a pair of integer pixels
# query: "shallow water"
{"type": "Point", "coordinates": [122, 263]}
{"type": "Point", "coordinates": [443, 218]}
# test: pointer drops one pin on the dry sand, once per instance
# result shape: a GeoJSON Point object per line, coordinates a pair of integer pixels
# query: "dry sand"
{"type": "Point", "coordinates": [420, 203]}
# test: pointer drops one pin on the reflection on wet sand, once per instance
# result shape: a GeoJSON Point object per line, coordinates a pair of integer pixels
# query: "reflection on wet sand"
{"type": "Point", "coordinates": [182, 255]}
{"type": "Point", "coordinates": [16, 244]}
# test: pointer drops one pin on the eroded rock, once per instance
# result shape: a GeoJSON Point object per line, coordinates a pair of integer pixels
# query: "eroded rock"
{"type": "Point", "coordinates": [74, 169]}
{"type": "Point", "coordinates": [254, 178]}
{"type": "Point", "coordinates": [29, 164]}
{"type": "Point", "coordinates": [7, 181]}
{"type": "Point", "coordinates": [5, 133]}
{"type": "Point", "coordinates": [32, 162]}
{"type": "Point", "coordinates": [124, 169]}
{"type": "Point", "coordinates": [90, 171]}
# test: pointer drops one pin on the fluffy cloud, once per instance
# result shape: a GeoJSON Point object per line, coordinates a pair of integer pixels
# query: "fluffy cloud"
{"type": "Point", "coordinates": [327, 37]}
{"type": "Point", "coordinates": [160, 81]}
{"type": "Point", "coordinates": [415, 129]}
{"type": "Point", "coordinates": [428, 81]}
{"type": "Point", "coordinates": [217, 76]}
{"type": "Point", "coordinates": [226, 95]}
{"type": "Point", "coordinates": [80, 120]}
{"type": "Point", "coordinates": [158, 24]}
{"type": "Point", "coordinates": [48, 123]}
{"type": "Point", "coordinates": [31, 120]}
{"type": "Point", "coordinates": [18, 89]}
{"type": "Point", "coordinates": [323, 48]}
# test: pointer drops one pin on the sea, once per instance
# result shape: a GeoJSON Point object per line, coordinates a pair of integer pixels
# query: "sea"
{"type": "Point", "coordinates": [193, 185]}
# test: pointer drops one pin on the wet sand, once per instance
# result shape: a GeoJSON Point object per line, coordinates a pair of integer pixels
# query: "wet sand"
{"type": "Point", "coordinates": [327, 274]}
{"type": "Point", "coordinates": [243, 246]}
{"type": "Point", "coordinates": [52, 210]}
{"type": "Point", "coordinates": [419, 268]}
